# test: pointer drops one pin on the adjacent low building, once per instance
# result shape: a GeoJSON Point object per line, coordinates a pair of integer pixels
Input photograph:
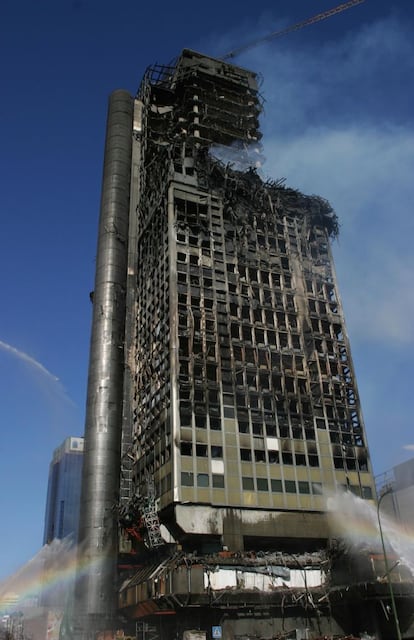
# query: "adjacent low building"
{"type": "Point", "coordinates": [397, 488]}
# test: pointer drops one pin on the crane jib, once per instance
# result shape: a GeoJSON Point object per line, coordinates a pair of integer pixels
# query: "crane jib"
{"type": "Point", "coordinates": [294, 27]}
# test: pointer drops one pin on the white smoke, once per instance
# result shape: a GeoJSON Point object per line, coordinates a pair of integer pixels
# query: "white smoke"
{"type": "Point", "coordinates": [240, 159]}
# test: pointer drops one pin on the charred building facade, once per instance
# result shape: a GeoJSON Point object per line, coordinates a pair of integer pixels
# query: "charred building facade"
{"type": "Point", "coordinates": [222, 399]}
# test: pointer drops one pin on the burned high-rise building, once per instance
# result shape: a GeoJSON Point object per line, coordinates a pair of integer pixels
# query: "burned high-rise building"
{"type": "Point", "coordinates": [222, 399]}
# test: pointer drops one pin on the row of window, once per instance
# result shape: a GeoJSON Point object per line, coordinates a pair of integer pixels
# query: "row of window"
{"type": "Point", "coordinates": [202, 480]}
{"type": "Point", "coordinates": [201, 450]}
{"type": "Point", "coordinates": [261, 325]}
{"type": "Point", "coordinates": [272, 280]}
{"type": "Point", "coordinates": [277, 401]}
{"type": "Point", "coordinates": [272, 424]}
{"type": "Point", "coordinates": [194, 214]}
{"type": "Point", "coordinates": [214, 245]}
{"type": "Point", "coordinates": [251, 384]}
{"type": "Point", "coordinates": [340, 431]}
{"type": "Point", "coordinates": [272, 456]}
{"type": "Point", "coordinates": [346, 460]}
{"type": "Point", "coordinates": [196, 234]}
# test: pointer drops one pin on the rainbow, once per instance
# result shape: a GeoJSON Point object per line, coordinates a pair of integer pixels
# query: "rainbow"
{"type": "Point", "coordinates": [55, 566]}
{"type": "Point", "coordinates": [356, 521]}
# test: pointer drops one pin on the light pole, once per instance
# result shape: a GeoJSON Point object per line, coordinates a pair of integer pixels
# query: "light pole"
{"type": "Point", "coordinates": [394, 608]}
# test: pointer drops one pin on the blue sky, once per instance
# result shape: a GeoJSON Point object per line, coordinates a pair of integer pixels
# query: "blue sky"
{"type": "Point", "coordinates": [338, 122]}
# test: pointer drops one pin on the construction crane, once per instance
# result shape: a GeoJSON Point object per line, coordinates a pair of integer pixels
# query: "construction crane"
{"type": "Point", "coordinates": [294, 27]}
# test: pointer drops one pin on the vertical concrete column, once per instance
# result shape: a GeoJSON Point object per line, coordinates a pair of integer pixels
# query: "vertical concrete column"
{"type": "Point", "coordinates": [232, 537]}
{"type": "Point", "coordinates": [95, 594]}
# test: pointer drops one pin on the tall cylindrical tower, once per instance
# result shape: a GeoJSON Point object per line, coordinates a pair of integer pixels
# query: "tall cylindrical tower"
{"type": "Point", "coordinates": [94, 601]}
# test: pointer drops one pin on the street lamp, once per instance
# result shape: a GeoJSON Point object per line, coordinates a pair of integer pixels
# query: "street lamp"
{"type": "Point", "coordinates": [387, 569]}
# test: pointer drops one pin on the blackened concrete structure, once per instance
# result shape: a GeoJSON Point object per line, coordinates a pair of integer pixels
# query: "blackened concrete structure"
{"type": "Point", "coordinates": [222, 399]}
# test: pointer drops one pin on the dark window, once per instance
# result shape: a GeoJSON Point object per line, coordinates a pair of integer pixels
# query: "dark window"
{"type": "Point", "coordinates": [273, 457]}
{"type": "Point", "coordinates": [290, 486]}
{"type": "Point", "coordinates": [248, 484]}
{"type": "Point", "coordinates": [257, 428]}
{"type": "Point", "coordinates": [259, 456]}
{"type": "Point", "coordinates": [243, 427]}
{"type": "Point", "coordinates": [262, 484]}
{"type": "Point", "coordinates": [187, 479]}
{"type": "Point", "coordinates": [247, 334]}
{"type": "Point", "coordinates": [215, 424]}
{"type": "Point", "coordinates": [218, 481]}
{"type": "Point", "coordinates": [276, 486]}
{"type": "Point", "coordinates": [200, 421]}
{"type": "Point", "coordinates": [186, 449]}
{"type": "Point", "coordinates": [201, 450]}
{"type": "Point", "coordinates": [202, 480]}
{"type": "Point", "coordinates": [366, 493]}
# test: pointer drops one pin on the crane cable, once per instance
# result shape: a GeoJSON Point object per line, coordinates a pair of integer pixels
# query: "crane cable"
{"type": "Point", "coordinates": [295, 27]}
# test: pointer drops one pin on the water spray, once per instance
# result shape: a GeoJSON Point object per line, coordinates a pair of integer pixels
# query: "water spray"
{"type": "Point", "coordinates": [28, 360]}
